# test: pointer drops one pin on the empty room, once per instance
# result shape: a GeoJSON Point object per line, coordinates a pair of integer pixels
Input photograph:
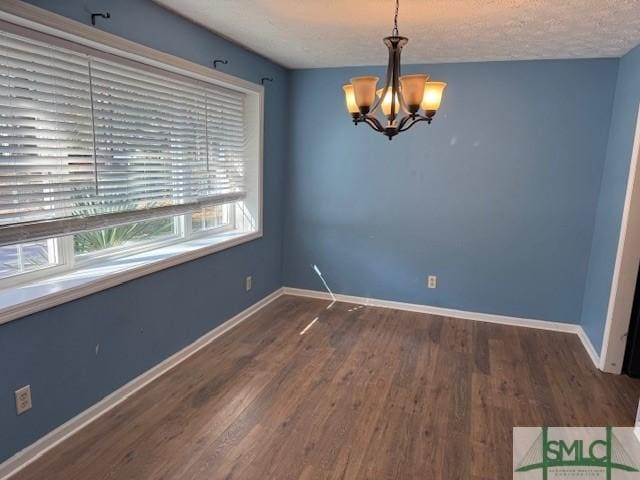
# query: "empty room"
{"type": "Point", "coordinates": [321, 239]}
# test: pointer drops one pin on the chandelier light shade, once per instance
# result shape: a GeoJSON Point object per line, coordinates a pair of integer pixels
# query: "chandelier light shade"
{"type": "Point", "coordinates": [432, 97]}
{"type": "Point", "coordinates": [364, 90]}
{"type": "Point", "coordinates": [401, 98]}
{"type": "Point", "coordinates": [413, 90]}
{"type": "Point", "coordinates": [350, 99]}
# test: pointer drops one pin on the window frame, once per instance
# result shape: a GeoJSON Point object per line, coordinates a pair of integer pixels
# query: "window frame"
{"type": "Point", "coordinates": [91, 258]}
{"type": "Point", "coordinates": [27, 20]}
{"type": "Point", "coordinates": [183, 233]}
{"type": "Point", "coordinates": [139, 57]}
{"type": "Point", "coordinates": [59, 267]}
{"type": "Point", "coordinates": [70, 261]}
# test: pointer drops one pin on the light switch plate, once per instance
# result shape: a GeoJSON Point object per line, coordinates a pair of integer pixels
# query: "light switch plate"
{"type": "Point", "coordinates": [247, 283]}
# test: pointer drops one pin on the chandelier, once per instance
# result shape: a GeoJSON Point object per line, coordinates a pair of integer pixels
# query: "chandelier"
{"type": "Point", "coordinates": [401, 98]}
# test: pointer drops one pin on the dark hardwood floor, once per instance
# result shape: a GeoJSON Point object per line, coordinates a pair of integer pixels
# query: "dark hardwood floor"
{"type": "Point", "coordinates": [365, 393]}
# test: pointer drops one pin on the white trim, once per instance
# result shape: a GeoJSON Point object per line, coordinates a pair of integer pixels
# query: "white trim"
{"type": "Point", "coordinates": [588, 346]}
{"type": "Point", "coordinates": [625, 271]}
{"type": "Point", "coordinates": [448, 312]}
{"type": "Point", "coordinates": [636, 429]}
{"type": "Point", "coordinates": [31, 453]}
{"type": "Point", "coordinates": [59, 296]}
{"type": "Point", "coordinates": [443, 312]}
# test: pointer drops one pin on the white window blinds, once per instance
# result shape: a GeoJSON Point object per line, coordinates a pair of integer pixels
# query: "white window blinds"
{"type": "Point", "coordinates": [87, 143]}
{"type": "Point", "coordinates": [45, 131]}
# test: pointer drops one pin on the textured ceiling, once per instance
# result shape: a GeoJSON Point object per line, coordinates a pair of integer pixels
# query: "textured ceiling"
{"type": "Point", "coordinates": [330, 33]}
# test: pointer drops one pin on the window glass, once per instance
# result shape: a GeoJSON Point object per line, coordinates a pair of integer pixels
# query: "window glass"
{"type": "Point", "coordinates": [27, 257]}
{"type": "Point", "coordinates": [209, 218]}
{"type": "Point", "coordinates": [124, 236]}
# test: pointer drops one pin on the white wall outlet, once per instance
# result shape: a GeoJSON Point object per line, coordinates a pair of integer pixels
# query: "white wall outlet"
{"type": "Point", "coordinates": [432, 281]}
{"type": "Point", "coordinates": [23, 399]}
{"type": "Point", "coordinates": [247, 283]}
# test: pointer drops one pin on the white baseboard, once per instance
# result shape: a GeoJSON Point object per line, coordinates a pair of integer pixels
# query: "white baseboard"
{"type": "Point", "coordinates": [443, 312]}
{"type": "Point", "coordinates": [448, 312]}
{"type": "Point", "coordinates": [588, 346]}
{"type": "Point", "coordinates": [53, 438]}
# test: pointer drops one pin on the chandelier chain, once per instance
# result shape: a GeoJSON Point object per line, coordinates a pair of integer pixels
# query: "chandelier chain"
{"type": "Point", "coordinates": [395, 32]}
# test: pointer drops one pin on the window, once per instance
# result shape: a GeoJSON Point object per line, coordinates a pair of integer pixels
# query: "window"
{"type": "Point", "coordinates": [28, 257]}
{"type": "Point", "coordinates": [103, 156]}
{"type": "Point", "coordinates": [125, 237]}
{"type": "Point", "coordinates": [210, 218]}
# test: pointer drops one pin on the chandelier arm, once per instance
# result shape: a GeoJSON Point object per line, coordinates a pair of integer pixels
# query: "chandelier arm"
{"type": "Point", "coordinates": [395, 80]}
{"type": "Point", "coordinates": [374, 123]}
{"type": "Point", "coordinates": [403, 104]}
{"type": "Point", "coordinates": [378, 102]}
{"type": "Point", "coordinates": [404, 121]}
{"type": "Point", "coordinates": [415, 120]}
{"type": "Point", "coordinates": [370, 120]}
{"type": "Point", "coordinates": [395, 45]}
{"type": "Point", "coordinates": [414, 117]}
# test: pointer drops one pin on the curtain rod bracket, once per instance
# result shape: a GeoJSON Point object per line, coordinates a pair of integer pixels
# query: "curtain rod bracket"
{"type": "Point", "coordinates": [217, 61]}
{"type": "Point", "coordinates": [266, 79]}
{"type": "Point", "coordinates": [102, 15]}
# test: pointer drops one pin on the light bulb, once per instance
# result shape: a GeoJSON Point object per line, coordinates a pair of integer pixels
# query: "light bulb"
{"type": "Point", "coordinates": [386, 102]}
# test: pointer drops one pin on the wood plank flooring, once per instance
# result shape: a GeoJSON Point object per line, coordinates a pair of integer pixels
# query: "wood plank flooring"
{"type": "Point", "coordinates": [365, 393]}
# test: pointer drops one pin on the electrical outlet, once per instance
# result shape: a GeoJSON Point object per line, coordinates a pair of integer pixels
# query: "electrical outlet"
{"type": "Point", "coordinates": [23, 399]}
{"type": "Point", "coordinates": [432, 281]}
{"type": "Point", "coordinates": [247, 283]}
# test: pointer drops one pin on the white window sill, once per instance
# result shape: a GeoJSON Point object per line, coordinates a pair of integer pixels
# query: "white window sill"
{"type": "Point", "coordinates": [25, 299]}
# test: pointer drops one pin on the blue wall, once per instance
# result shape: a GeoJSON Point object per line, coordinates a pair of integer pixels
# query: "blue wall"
{"type": "Point", "coordinates": [612, 195]}
{"type": "Point", "coordinates": [140, 323]}
{"type": "Point", "coordinates": [497, 197]}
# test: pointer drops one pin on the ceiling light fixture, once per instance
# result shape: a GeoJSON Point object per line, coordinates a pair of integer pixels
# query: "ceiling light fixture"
{"type": "Point", "coordinates": [406, 93]}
